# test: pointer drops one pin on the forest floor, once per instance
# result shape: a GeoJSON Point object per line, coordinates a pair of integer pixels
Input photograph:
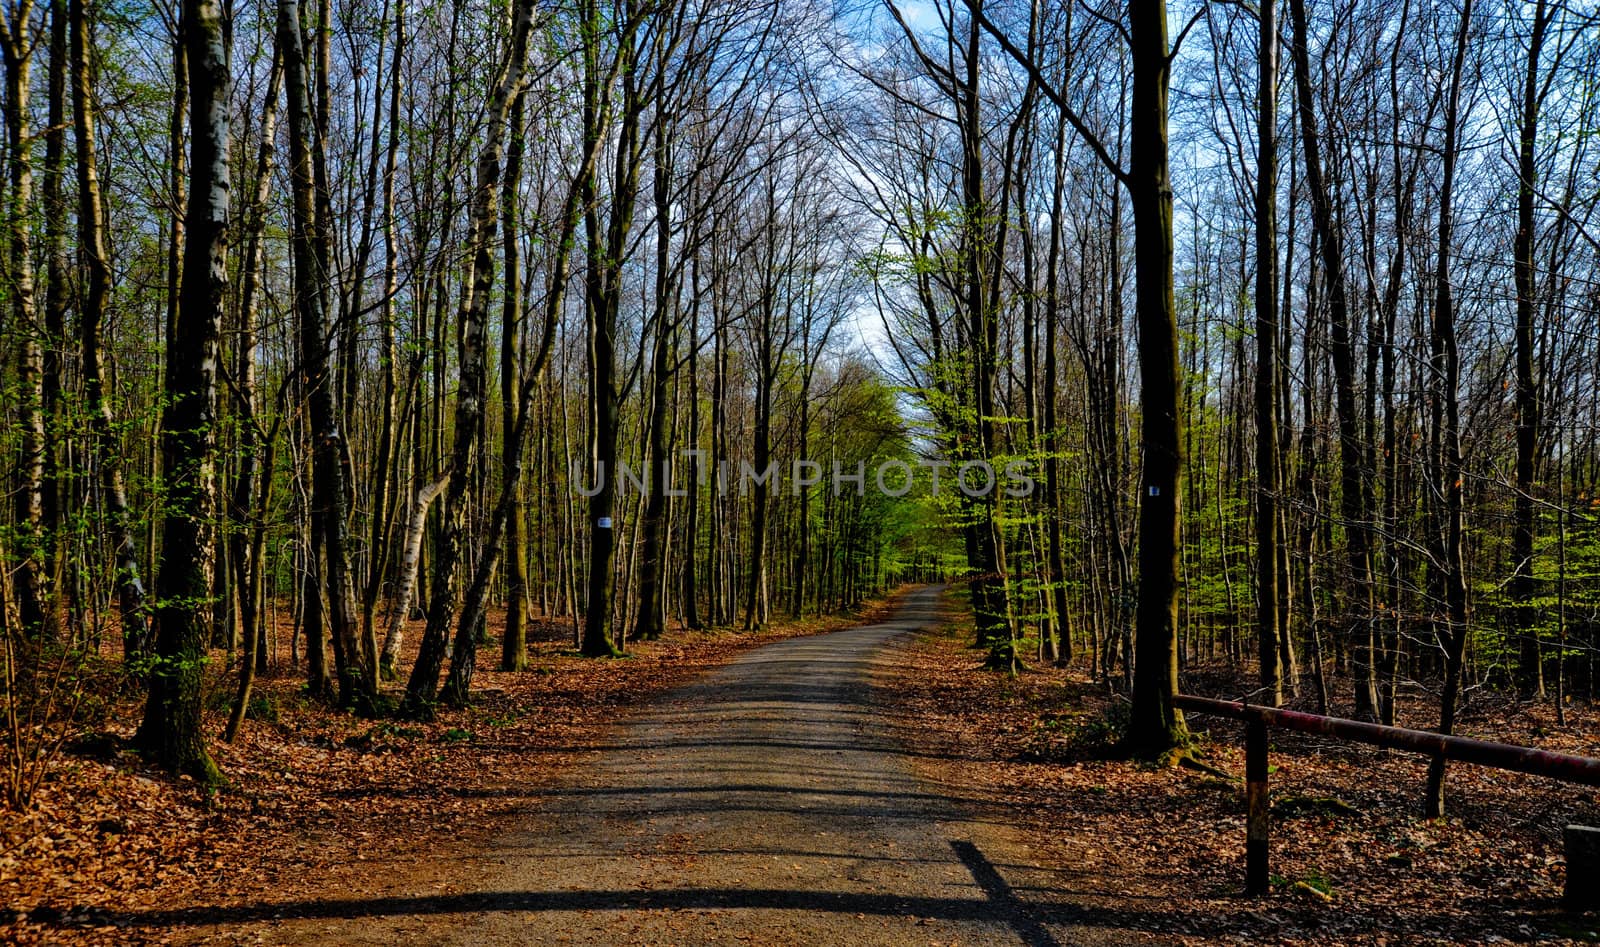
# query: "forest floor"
{"type": "Point", "coordinates": [1353, 862]}
{"type": "Point", "coordinates": [320, 802]}
{"type": "Point", "coordinates": [702, 791]}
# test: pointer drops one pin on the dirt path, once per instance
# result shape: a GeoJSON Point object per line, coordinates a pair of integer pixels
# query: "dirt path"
{"type": "Point", "coordinates": [765, 803]}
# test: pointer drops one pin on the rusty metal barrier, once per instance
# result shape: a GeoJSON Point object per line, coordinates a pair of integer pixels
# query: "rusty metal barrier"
{"type": "Point", "coordinates": [1257, 718]}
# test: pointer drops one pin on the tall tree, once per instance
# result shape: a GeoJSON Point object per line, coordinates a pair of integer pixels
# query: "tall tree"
{"type": "Point", "coordinates": [91, 326]}
{"type": "Point", "coordinates": [606, 241]}
{"type": "Point", "coordinates": [473, 392]}
{"type": "Point", "coordinates": [1354, 486]}
{"type": "Point", "coordinates": [1535, 88]}
{"type": "Point", "coordinates": [1156, 725]}
{"type": "Point", "coordinates": [1268, 618]}
{"type": "Point", "coordinates": [31, 580]}
{"type": "Point", "coordinates": [1450, 553]}
{"type": "Point", "coordinates": [357, 667]}
{"type": "Point", "coordinates": [514, 641]}
{"type": "Point", "coordinates": [172, 728]}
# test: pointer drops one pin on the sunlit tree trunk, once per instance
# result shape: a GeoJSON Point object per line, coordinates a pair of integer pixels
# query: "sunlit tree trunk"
{"type": "Point", "coordinates": [29, 546]}
{"type": "Point", "coordinates": [91, 324]}
{"type": "Point", "coordinates": [473, 390]}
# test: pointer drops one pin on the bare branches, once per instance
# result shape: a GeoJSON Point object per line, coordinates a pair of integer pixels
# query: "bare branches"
{"type": "Point", "coordinates": [1051, 93]}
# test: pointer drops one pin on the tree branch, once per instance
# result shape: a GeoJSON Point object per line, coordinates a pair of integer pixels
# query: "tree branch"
{"type": "Point", "coordinates": [1050, 92]}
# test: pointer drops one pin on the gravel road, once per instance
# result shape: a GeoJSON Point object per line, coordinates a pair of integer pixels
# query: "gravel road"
{"type": "Point", "coordinates": [765, 803]}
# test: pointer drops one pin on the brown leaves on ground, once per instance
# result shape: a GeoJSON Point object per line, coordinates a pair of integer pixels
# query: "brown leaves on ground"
{"type": "Point", "coordinates": [316, 797]}
{"type": "Point", "coordinates": [1161, 850]}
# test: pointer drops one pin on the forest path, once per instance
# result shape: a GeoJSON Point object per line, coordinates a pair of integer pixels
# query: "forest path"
{"type": "Point", "coordinates": [767, 802]}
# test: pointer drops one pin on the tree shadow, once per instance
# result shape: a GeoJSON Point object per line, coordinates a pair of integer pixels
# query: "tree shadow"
{"type": "Point", "coordinates": [999, 904]}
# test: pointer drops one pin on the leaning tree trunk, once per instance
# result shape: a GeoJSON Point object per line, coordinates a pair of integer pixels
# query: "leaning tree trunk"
{"type": "Point", "coordinates": [506, 514]}
{"type": "Point", "coordinates": [470, 398]}
{"type": "Point", "coordinates": [1354, 489]}
{"type": "Point", "coordinates": [172, 730]}
{"type": "Point", "coordinates": [406, 583]}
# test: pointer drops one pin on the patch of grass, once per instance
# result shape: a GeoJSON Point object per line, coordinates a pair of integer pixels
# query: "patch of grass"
{"type": "Point", "coordinates": [1328, 807]}
{"type": "Point", "coordinates": [261, 708]}
{"type": "Point", "coordinates": [383, 738]}
{"type": "Point", "coordinates": [1057, 737]}
{"type": "Point", "coordinates": [457, 735]}
{"type": "Point", "coordinates": [1313, 884]}
{"type": "Point", "coordinates": [506, 719]}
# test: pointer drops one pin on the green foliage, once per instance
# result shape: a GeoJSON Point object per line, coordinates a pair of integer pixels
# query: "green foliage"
{"type": "Point", "coordinates": [1313, 883]}
{"type": "Point", "coordinates": [1566, 594]}
{"type": "Point", "coordinates": [1072, 735]}
{"type": "Point", "coordinates": [506, 719]}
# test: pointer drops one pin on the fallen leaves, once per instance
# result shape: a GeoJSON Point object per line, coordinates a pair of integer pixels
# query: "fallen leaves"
{"type": "Point", "coordinates": [317, 796]}
{"type": "Point", "coordinates": [1351, 857]}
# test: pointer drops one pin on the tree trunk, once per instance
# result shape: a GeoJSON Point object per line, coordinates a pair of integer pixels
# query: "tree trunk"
{"type": "Point", "coordinates": [1523, 588]}
{"type": "Point", "coordinates": [172, 730]}
{"type": "Point", "coordinates": [356, 666]}
{"type": "Point", "coordinates": [406, 583]}
{"type": "Point", "coordinates": [606, 242]}
{"type": "Point", "coordinates": [470, 398]}
{"type": "Point", "coordinates": [1156, 726]}
{"type": "Point", "coordinates": [1354, 489]}
{"type": "Point", "coordinates": [1052, 442]}
{"type": "Point", "coordinates": [1268, 619]}
{"type": "Point", "coordinates": [56, 484]}
{"type": "Point", "coordinates": [29, 546]}
{"type": "Point", "coordinates": [91, 323]}
{"type": "Point", "coordinates": [1447, 370]}
{"type": "Point", "coordinates": [653, 565]}
{"type": "Point", "coordinates": [514, 641]}
{"type": "Point", "coordinates": [386, 470]}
